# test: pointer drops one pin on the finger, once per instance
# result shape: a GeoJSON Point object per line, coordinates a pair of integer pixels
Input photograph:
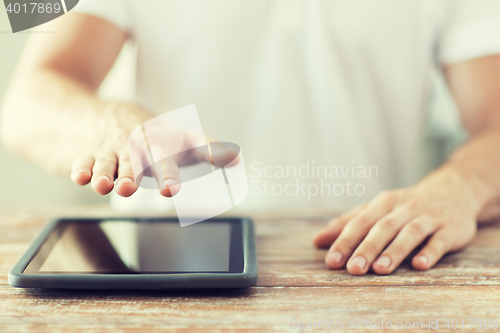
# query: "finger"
{"type": "Point", "coordinates": [411, 236]}
{"type": "Point", "coordinates": [220, 154]}
{"type": "Point", "coordinates": [326, 237]}
{"type": "Point", "coordinates": [354, 232]}
{"type": "Point", "coordinates": [382, 233]}
{"type": "Point", "coordinates": [437, 246]}
{"type": "Point", "coordinates": [103, 173]}
{"type": "Point", "coordinates": [224, 154]}
{"type": "Point", "coordinates": [81, 170]}
{"type": "Point", "coordinates": [125, 185]}
{"type": "Point", "coordinates": [170, 182]}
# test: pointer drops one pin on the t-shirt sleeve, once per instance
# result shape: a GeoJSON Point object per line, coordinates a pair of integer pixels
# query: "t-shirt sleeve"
{"type": "Point", "coordinates": [472, 31]}
{"type": "Point", "coordinates": [113, 11]}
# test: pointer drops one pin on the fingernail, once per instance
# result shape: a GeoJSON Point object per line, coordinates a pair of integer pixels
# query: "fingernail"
{"type": "Point", "coordinates": [334, 257]}
{"type": "Point", "coordinates": [423, 259]}
{"type": "Point", "coordinates": [126, 181]}
{"type": "Point", "coordinates": [103, 178]}
{"type": "Point", "coordinates": [168, 182]}
{"type": "Point", "coordinates": [358, 262]}
{"type": "Point", "coordinates": [383, 262]}
{"type": "Point", "coordinates": [81, 171]}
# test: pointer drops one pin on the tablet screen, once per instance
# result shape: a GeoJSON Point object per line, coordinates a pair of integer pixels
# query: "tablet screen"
{"type": "Point", "coordinates": [139, 246]}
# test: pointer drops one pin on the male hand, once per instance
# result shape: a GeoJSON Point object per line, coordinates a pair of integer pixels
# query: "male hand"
{"type": "Point", "coordinates": [108, 158]}
{"type": "Point", "coordinates": [439, 213]}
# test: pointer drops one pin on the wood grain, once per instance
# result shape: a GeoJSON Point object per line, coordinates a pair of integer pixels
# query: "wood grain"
{"type": "Point", "coordinates": [293, 284]}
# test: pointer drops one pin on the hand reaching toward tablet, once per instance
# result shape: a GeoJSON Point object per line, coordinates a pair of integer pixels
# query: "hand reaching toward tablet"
{"type": "Point", "coordinates": [109, 155]}
{"type": "Point", "coordinates": [53, 117]}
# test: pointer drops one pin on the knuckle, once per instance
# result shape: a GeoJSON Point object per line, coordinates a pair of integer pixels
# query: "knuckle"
{"type": "Point", "coordinates": [125, 162]}
{"type": "Point", "coordinates": [387, 223]}
{"type": "Point", "coordinates": [343, 243]}
{"type": "Point", "coordinates": [397, 251]}
{"type": "Point", "coordinates": [442, 240]}
{"type": "Point", "coordinates": [363, 221]}
{"type": "Point", "coordinates": [125, 167]}
{"type": "Point", "coordinates": [412, 204]}
{"type": "Point", "coordinates": [125, 172]}
{"type": "Point", "coordinates": [107, 160]}
{"type": "Point", "coordinates": [416, 228]}
{"type": "Point", "coordinates": [370, 249]}
{"type": "Point", "coordinates": [125, 159]}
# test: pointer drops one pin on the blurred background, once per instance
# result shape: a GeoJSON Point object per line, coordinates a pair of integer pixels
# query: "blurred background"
{"type": "Point", "coordinates": [24, 184]}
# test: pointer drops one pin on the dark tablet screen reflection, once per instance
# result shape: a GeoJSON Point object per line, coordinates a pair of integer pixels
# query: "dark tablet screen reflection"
{"type": "Point", "coordinates": [130, 247]}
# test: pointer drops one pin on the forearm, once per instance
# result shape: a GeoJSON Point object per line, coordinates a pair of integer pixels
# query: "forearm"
{"type": "Point", "coordinates": [48, 118]}
{"type": "Point", "coordinates": [477, 164]}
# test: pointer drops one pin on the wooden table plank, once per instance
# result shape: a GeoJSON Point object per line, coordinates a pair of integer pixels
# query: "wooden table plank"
{"type": "Point", "coordinates": [293, 283]}
{"type": "Point", "coordinates": [258, 307]}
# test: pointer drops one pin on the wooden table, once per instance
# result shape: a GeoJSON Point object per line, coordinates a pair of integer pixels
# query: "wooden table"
{"type": "Point", "coordinates": [294, 286]}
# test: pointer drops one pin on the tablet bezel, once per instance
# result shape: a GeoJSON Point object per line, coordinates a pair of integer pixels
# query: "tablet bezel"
{"type": "Point", "coordinates": [246, 277]}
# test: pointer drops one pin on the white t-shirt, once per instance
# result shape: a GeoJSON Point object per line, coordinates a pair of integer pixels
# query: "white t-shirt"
{"type": "Point", "coordinates": [325, 98]}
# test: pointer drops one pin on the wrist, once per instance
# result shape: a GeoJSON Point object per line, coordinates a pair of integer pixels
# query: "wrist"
{"type": "Point", "coordinates": [473, 192]}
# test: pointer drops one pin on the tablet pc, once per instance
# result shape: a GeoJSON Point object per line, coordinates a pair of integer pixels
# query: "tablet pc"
{"type": "Point", "coordinates": [139, 253]}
